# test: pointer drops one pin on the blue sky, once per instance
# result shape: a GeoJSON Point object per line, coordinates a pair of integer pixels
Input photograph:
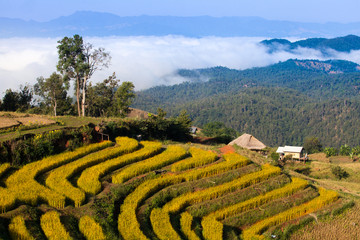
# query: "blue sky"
{"type": "Point", "coordinates": [293, 10]}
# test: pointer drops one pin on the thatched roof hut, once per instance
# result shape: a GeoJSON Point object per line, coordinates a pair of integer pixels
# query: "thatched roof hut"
{"type": "Point", "coordinates": [248, 141]}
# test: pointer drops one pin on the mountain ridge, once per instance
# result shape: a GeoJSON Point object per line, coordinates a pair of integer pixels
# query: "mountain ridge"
{"type": "Point", "coordinates": [89, 23]}
{"type": "Point", "coordinates": [340, 44]}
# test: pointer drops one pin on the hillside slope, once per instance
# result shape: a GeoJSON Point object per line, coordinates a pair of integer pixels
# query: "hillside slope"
{"type": "Point", "coordinates": [279, 104]}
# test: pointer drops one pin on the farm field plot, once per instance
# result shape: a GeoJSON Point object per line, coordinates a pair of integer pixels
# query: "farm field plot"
{"type": "Point", "coordinates": [15, 119]}
{"type": "Point", "coordinates": [144, 190]}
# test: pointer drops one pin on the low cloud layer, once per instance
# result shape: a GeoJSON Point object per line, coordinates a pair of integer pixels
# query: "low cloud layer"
{"type": "Point", "coordinates": [146, 61]}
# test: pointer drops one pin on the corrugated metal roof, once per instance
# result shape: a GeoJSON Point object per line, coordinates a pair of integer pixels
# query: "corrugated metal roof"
{"type": "Point", "coordinates": [280, 150]}
{"type": "Point", "coordinates": [292, 149]}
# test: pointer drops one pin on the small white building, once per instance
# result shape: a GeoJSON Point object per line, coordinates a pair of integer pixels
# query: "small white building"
{"type": "Point", "coordinates": [294, 151]}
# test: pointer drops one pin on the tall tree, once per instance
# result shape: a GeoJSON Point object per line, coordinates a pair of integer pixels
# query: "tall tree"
{"type": "Point", "coordinates": [79, 61]}
{"type": "Point", "coordinates": [95, 59]}
{"type": "Point", "coordinates": [124, 96]}
{"type": "Point", "coordinates": [72, 62]}
{"type": "Point", "coordinates": [52, 89]}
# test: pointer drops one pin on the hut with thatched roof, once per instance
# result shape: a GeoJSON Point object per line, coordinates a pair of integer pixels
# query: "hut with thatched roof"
{"type": "Point", "coordinates": [248, 141]}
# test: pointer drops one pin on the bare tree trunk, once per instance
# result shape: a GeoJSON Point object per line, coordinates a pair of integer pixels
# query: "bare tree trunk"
{"type": "Point", "coordinates": [83, 97]}
{"type": "Point", "coordinates": [55, 105]}
{"type": "Point", "coordinates": [78, 95]}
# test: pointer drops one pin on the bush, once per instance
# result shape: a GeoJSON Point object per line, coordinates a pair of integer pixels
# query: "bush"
{"type": "Point", "coordinates": [345, 150]}
{"type": "Point", "coordinates": [339, 172]}
{"type": "Point", "coordinates": [35, 147]}
{"type": "Point", "coordinates": [274, 156]}
{"type": "Point", "coordinates": [31, 147]}
{"type": "Point", "coordinates": [330, 151]}
{"type": "Point", "coordinates": [355, 150]}
{"type": "Point", "coordinates": [303, 170]}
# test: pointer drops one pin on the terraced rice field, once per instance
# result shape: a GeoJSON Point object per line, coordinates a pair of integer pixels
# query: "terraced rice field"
{"type": "Point", "coordinates": [172, 192]}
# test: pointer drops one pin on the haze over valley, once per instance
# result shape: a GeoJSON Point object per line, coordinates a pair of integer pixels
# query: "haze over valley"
{"type": "Point", "coordinates": [152, 60]}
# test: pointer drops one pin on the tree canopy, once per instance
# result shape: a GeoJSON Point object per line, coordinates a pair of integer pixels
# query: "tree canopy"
{"type": "Point", "coordinates": [52, 90]}
{"type": "Point", "coordinates": [79, 61]}
{"type": "Point", "coordinates": [124, 97]}
{"type": "Point", "coordinates": [312, 145]}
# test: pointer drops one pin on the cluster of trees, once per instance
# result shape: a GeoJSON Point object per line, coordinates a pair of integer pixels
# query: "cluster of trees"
{"type": "Point", "coordinates": [344, 150]}
{"type": "Point", "coordinates": [77, 63]}
{"type": "Point", "coordinates": [313, 145]}
{"type": "Point", "coordinates": [155, 127]}
{"type": "Point", "coordinates": [17, 100]}
{"type": "Point", "coordinates": [219, 131]}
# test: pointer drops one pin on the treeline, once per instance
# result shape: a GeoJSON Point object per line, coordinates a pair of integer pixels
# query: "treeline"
{"type": "Point", "coordinates": [104, 99]}
{"type": "Point", "coordinates": [77, 62]}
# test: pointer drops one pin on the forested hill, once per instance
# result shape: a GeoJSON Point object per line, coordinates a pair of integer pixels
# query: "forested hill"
{"type": "Point", "coordinates": [340, 44]}
{"type": "Point", "coordinates": [279, 104]}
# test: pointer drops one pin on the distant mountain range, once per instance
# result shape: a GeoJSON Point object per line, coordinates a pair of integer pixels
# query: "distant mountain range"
{"type": "Point", "coordinates": [279, 104]}
{"type": "Point", "coordinates": [104, 24]}
{"type": "Point", "coordinates": [340, 44]}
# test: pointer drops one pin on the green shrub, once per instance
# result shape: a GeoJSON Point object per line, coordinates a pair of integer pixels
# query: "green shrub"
{"type": "Point", "coordinates": [303, 170]}
{"type": "Point", "coordinates": [274, 156]}
{"type": "Point", "coordinates": [339, 172]}
{"type": "Point", "coordinates": [345, 150]}
{"type": "Point", "coordinates": [355, 150]}
{"type": "Point", "coordinates": [330, 151]}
